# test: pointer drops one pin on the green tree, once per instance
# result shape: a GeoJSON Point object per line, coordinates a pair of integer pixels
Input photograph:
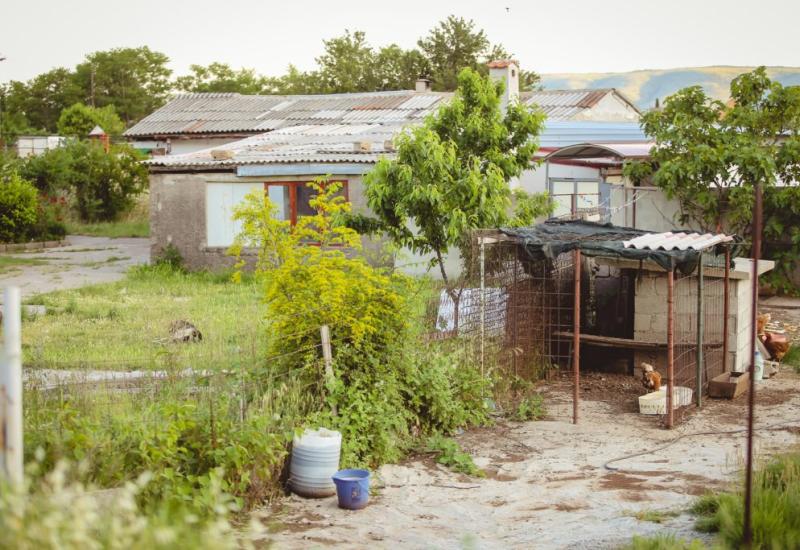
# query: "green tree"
{"type": "Point", "coordinates": [18, 206]}
{"type": "Point", "coordinates": [79, 119]}
{"type": "Point", "coordinates": [35, 106]}
{"type": "Point", "coordinates": [220, 77]}
{"type": "Point", "coordinates": [347, 64]}
{"type": "Point", "coordinates": [452, 173]}
{"type": "Point", "coordinates": [454, 44]}
{"type": "Point", "coordinates": [709, 155]}
{"type": "Point", "coordinates": [399, 69]}
{"type": "Point", "coordinates": [135, 81]}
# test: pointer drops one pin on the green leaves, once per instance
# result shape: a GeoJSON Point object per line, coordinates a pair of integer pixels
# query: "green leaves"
{"type": "Point", "coordinates": [451, 174]}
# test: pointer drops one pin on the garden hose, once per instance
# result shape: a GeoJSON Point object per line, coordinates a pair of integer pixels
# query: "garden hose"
{"type": "Point", "coordinates": [768, 427]}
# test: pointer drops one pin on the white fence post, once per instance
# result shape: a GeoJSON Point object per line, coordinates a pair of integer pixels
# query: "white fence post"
{"type": "Point", "coordinates": [11, 387]}
{"type": "Point", "coordinates": [327, 357]}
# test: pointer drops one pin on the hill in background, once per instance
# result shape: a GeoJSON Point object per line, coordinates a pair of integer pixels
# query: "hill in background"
{"type": "Point", "coordinates": [643, 87]}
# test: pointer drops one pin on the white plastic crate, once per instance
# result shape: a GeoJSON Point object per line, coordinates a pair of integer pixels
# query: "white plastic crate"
{"type": "Point", "coordinates": [656, 402]}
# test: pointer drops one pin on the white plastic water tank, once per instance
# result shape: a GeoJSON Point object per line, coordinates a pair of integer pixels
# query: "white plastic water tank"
{"type": "Point", "coordinates": [315, 458]}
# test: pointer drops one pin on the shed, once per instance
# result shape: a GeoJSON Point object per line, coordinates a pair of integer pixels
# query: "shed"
{"type": "Point", "coordinates": [597, 296]}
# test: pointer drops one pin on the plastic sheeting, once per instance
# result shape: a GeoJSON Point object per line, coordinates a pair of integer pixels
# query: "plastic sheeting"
{"type": "Point", "coordinates": [552, 238]}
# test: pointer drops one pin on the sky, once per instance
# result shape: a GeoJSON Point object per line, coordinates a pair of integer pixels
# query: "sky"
{"type": "Point", "coordinates": [546, 36]}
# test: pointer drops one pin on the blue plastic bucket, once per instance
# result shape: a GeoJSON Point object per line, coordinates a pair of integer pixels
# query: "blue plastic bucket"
{"type": "Point", "coordinates": [352, 488]}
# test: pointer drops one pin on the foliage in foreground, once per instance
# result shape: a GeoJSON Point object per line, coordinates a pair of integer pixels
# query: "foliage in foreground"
{"type": "Point", "coordinates": [24, 214]}
{"type": "Point", "coordinates": [57, 513]}
{"type": "Point", "coordinates": [382, 391]}
{"type": "Point", "coordinates": [776, 501]}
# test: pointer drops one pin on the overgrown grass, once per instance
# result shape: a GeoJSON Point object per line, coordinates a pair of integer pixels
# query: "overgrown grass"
{"type": "Point", "coordinates": [10, 264]}
{"type": "Point", "coordinates": [776, 507]}
{"type": "Point", "coordinates": [654, 516]}
{"type": "Point", "coordinates": [125, 325]}
{"type": "Point", "coordinates": [663, 542]}
{"type": "Point", "coordinates": [114, 230]}
{"type": "Point", "coordinates": [135, 223]}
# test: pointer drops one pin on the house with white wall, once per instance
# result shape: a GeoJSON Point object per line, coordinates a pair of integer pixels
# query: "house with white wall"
{"type": "Point", "coordinates": [292, 140]}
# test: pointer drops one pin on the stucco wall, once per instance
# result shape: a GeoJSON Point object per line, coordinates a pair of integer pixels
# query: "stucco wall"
{"type": "Point", "coordinates": [178, 214]}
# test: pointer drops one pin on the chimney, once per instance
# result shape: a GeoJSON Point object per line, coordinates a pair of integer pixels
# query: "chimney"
{"type": "Point", "coordinates": [422, 85]}
{"type": "Point", "coordinates": [507, 71]}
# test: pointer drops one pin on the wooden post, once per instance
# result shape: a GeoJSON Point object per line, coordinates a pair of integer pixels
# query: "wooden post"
{"type": "Point", "coordinates": [700, 328]}
{"type": "Point", "coordinates": [11, 387]}
{"type": "Point", "coordinates": [576, 338]}
{"type": "Point", "coordinates": [670, 344]}
{"type": "Point", "coordinates": [327, 357]}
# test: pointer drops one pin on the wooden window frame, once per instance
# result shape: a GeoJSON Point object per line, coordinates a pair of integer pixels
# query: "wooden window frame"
{"type": "Point", "coordinates": [293, 185]}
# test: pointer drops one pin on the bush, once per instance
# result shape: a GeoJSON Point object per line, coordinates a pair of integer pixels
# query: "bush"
{"type": "Point", "coordinates": [79, 119]}
{"type": "Point", "coordinates": [102, 185]}
{"type": "Point", "coordinates": [384, 391]}
{"type": "Point", "coordinates": [19, 203]}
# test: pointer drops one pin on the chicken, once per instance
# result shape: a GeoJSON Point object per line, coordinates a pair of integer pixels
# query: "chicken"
{"type": "Point", "coordinates": [650, 377]}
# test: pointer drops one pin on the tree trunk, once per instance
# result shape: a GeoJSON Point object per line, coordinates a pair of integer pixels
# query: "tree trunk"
{"type": "Point", "coordinates": [454, 296]}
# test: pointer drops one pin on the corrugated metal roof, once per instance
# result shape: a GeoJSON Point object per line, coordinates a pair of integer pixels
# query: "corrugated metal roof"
{"type": "Point", "coordinates": [677, 241]}
{"type": "Point", "coordinates": [232, 113]}
{"type": "Point", "coordinates": [567, 104]}
{"type": "Point", "coordinates": [343, 143]}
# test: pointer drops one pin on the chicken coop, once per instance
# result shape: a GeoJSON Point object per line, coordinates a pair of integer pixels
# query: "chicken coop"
{"type": "Point", "coordinates": [583, 296]}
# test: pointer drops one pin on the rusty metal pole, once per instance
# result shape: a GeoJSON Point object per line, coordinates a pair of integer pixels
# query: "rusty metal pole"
{"type": "Point", "coordinates": [670, 344]}
{"type": "Point", "coordinates": [726, 308]}
{"type": "Point", "coordinates": [747, 531]}
{"type": "Point", "coordinates": [576, 338]}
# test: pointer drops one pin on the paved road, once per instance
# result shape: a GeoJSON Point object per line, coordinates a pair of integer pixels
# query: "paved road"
{"type": "Point", "coordinates": [85, 261]}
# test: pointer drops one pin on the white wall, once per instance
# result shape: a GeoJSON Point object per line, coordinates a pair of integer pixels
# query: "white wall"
{"type": "Point", "coordinates": [535, 181]}
{"type": "Point", "coordinates": [221, 199]}
{"type": "Point", "coordinates": [181, 146]}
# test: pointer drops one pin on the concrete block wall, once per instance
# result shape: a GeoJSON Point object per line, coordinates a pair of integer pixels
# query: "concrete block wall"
{"type": "Point", "coordinates": [178, 214]}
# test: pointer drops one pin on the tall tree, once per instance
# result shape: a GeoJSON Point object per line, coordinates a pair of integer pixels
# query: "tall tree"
{"type": "Point", "coordinates": [709, 155]}
{"type": "Point", "coordinates": [399, 69]}
{"type": "Point", "coordinates": [40, 100]}
{"type": "Point", "coordinates": [454, 44]}
{"type": "Point", "coordinates": [134, 80]}
{"type": "Point", "coordinates": [452, 173]}
{"type": "Point", "coordinates": [79, 119]}
{"type": "Point", "coordinates": [347, 65]}
{"type": "Point", "coordinates": [220, 77]}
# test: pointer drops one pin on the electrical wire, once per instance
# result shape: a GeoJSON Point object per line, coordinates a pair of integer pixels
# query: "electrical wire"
{"type": "Point", "coordinates": [768, 427]}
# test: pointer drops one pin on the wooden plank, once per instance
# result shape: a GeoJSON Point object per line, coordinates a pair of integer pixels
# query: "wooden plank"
{"type": "Point", "coordinates": [626, 343]}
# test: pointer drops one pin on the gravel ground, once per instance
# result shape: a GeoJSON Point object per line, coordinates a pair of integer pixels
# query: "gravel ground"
{"type": "Point", "coordinates": [546, 484]}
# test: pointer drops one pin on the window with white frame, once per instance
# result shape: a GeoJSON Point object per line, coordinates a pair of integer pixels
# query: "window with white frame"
{"type": "Point", "coordinates": [221, 199]}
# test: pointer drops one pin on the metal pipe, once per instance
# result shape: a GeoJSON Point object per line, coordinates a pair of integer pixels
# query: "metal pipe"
{"type": "Point", "coordinates": [576, 338]}
{"type": "Point", "coordinates": [670, 344]}
{"type": "Point", "coordinates": [747, 532]}
{"type": "Point", "coordinates": [700, 328]}
{"type": "Point", "coordinates": [726, 308]}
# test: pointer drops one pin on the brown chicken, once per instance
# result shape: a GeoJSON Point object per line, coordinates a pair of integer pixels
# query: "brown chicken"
{"type": "Point", "coordinates": [651, 379]}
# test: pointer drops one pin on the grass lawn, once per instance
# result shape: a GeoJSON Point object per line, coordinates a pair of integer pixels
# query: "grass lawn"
{"type": "Point", "coordinates": [125, 325]}
{"type": "Point", "coordinates": [792, 357]}
{"type": "Point", "coordinates": [9, 264]}
{"type": "Point", "coordinates": [132, 228]}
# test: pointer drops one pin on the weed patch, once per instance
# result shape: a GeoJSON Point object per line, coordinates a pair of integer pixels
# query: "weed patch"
{"type": "Point", "coordinates": [449, 453]}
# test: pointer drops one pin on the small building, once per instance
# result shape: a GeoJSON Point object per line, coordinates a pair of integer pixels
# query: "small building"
{"type": "Point", "coordinates": [27, 146]}
{"type": "Point", "coordinates": [295, 139]}
{"type": "Point", "coordinates": [591, 296]}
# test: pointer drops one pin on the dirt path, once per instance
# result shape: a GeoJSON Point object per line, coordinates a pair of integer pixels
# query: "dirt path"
{"type": "Point", "coordinates": [86, 261]}
{"type": "Point", "coordinates": [546, 484]}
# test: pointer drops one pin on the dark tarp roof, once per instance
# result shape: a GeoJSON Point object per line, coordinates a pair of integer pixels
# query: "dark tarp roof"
{"type": "Point", "coordinates": [554, 237]}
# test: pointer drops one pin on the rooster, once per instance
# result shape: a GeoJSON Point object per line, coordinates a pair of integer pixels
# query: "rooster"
{"type": "Point", "coordinates": [650, 377]}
